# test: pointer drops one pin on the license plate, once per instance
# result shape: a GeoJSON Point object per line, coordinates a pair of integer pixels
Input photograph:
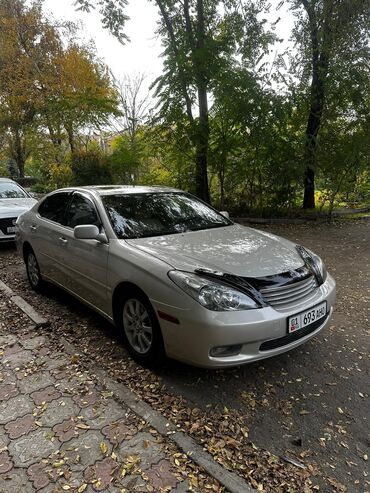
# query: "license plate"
{"type": "Point", "coordinates": [307, 317]}
{"type": "Point", "coordinates": [11, 229]}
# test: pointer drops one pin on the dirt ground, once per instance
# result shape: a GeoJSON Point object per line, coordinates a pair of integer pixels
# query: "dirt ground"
{"type": "Point", "coordinates": [296, 423]}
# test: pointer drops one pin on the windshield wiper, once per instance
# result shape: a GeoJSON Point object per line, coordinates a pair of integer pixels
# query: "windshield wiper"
{"type": "Point", "coordinates": [176, 232]}
{"type": "Point", "coordinates": [211, 226]}
{"type": "Point", "coordinates": [149, 235]}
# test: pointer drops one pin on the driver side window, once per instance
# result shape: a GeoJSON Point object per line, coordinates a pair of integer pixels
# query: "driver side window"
{"type": "Point", "coordinates": [82, 211]}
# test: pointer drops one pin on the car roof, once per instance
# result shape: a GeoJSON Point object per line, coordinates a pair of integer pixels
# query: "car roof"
{"type": "Point", "coordinates": [7, 180]}
{"type": "Point", "coordinates": [121, 189]}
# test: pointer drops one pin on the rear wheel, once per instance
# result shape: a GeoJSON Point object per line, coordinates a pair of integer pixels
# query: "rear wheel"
{"type": "Point", "coordinates": [141, 330]}
{"type": "Point", "coordinates": [33, 271]}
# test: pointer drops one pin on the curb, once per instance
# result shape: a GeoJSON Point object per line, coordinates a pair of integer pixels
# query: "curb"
{"type": "Point", "coordinates": [231, 481]}
{"type": "Point", "coordinates": [26, 308]}
{"type": "Point", "coordinates": [319, 218]}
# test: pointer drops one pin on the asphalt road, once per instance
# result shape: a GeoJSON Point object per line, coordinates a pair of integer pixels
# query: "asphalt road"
{"type": "Point", "coordinates": [311, 405]}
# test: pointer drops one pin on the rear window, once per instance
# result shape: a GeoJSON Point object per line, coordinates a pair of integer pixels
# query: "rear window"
{"type": "Point", "coordinates": [54, 207]}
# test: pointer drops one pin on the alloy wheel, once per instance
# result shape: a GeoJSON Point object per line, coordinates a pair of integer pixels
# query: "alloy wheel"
{"type": "Point", "coordinates": [138, 326]}
{"type": "Point", "coordinates": [33, 269]}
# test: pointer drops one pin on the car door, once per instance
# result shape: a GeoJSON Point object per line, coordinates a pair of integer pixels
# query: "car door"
{"type": "Point", "coordinates": [45, 229]}
{"type": "Point", "coordinates": [84, 262]}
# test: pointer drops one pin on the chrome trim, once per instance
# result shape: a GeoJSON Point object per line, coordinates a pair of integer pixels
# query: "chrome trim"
{"type": "Point", "coordinates": [289, 295]}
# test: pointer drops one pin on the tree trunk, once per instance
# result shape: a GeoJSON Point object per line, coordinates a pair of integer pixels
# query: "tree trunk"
{"type": "Point", "coordinates": [201, 176]}
{"type": "Point", "coordinates": [201, 172]}
{"type": "Point", "coordinates": [312, 130]}
{"type": "Point", "coordinates": [313, 125]}
{"type": "Point", "coordinates": [71, 139]}
{"type": "Point", "coordinates": [199, 128]}
{"type": "Point", "coordinates": [309, 189]}
{"type": "Point", "coordinates": [18, 153]}
{"type": "Point", "coordinates": [221, 179]}
{"type": "Point", "coordinates": [320, 64]}
{"type": "Point", "coordinates": [21, 164]}
{"type": "Point", "coordinates": [57, 144]}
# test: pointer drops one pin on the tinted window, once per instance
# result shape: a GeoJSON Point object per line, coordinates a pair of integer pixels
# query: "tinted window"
{"type": "Point", "coordinates": [154, 214]}
{"type": "Point", "coordinates": [10, 190]}
{"type": "Point", "coordinates": [54, 207]}
{"type": "Point", "coordinates": [81, 211]}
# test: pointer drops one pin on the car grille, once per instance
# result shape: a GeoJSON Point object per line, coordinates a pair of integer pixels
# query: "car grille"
{"type": "Point", "coordinates": [284, 297]}
{"type": "Point", "coordinates": [7, 223]}
{"type": "Point", "coordinates": [294, 336]}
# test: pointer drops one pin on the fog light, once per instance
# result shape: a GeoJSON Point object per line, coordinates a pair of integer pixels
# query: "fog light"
{"type": "Point", "coordinates": [223, 351]}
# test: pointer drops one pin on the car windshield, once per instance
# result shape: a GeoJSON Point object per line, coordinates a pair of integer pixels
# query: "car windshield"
{"type": "Point", "coordinates": [10, 190]}
{"type": "Point", "coordinates": [154, 214]}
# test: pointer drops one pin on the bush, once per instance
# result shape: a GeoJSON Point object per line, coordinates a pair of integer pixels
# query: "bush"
{"type": "Point", "coordinates": [61, 176]}
{"type": "Point", "coordinates": [27, 181]}
{"type": "Point", "coordinates": [90, 168]}
{"type": "Point", "coordinates": [4, 172]}
{"type": "Point", "coordinates": [41, 188]}
{"type": "Point", "coordinates": [124, 161]}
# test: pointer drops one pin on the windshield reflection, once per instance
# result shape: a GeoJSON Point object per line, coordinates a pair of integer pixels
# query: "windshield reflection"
{"type": "Point", "coordinates": [11, 191]}
{"type": "Point", "coordinates": [156, 214]}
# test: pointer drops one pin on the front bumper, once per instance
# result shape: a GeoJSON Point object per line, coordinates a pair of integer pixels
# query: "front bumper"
{"type": "Point", "coordinates": [5, 223]}
{"type": "Point", "coordinates": [200, 330]}
{"type": "Point", "coordinates": [6, 238]}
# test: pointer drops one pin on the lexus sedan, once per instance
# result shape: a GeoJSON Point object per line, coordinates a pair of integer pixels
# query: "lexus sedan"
{"type": "Point", "coordinates": [175, 276]}
{"type": "Point", "coordinates": [13, 202]}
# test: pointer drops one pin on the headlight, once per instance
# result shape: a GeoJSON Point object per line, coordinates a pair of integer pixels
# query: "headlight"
{"type": "Point", "coordinates": [212, 295]}
{"type": "Point", "coordinates": [314, 262]}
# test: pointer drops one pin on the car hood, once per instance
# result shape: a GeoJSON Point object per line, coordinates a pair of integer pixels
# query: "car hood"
{"type": "Point", "coordinates": [15, 207]}
{"type": "Point", "coordinates": [233, 249]}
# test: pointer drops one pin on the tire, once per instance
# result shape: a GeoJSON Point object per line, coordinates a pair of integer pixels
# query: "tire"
{"type": "Point", "coordinates": [140, 330]}
{"type": "Point", "coordinates": [33, 271]}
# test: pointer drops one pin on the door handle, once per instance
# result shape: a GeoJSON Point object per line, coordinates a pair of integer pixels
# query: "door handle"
{"type": "Point", "coordinates": [63, 240]}
{"type": "Point", "coordinates": [33, 228]}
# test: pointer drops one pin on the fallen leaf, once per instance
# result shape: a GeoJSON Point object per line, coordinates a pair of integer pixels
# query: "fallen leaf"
{"type": "Point", "coordinates": [103, 448]}
{"type": "Point", "coordinates": [83, 426]}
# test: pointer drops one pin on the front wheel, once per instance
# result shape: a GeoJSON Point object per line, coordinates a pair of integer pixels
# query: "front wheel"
{"type": "Point", "coordinates": [33, 271]}
{"type": "Point", "coordinates": [141, 330]}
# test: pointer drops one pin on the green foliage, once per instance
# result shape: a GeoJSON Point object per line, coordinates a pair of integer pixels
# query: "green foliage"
{"type": "Point", "coordinates": [124, 161]}
{"type": "Point", "coordinates": [42, 188]}
{"type": "Point", "coordinates": [90, 167]}
{"type": "Point", "coordinates": [223, 105]}
{"type": "Point", "coordinates": [61, 175]}
{"type": "Point", "coordinates": [112, 13]}
{"type": "Point", "coordinates": [332, 41]}
{"type": "Point", "coordinates": [4, 171]}
{"type": "Point", "coordinates": [362, 187]}
{"type": "Point", "coordinates": [41, 156]}
{"type": "Point", "coordinates": [169, 156]}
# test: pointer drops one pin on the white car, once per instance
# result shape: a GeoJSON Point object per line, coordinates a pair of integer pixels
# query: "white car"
{"type": "Point", "coordinates": [176, 276]}
{"type": "Point", "coordinates": [14, 200]}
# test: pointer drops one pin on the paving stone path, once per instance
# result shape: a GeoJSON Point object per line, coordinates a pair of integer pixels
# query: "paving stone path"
{"type": "Point", "coordinates": [61, 431]}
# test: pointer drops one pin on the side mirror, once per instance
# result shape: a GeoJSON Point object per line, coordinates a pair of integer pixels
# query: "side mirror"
{"type": "Point", "coordinates": [89, 232]}
{"type": "Point", "coordinates": [225, 214]}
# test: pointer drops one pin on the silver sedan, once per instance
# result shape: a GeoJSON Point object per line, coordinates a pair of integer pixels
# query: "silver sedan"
{"type": "Point", "coordinates": [14, 200]}
{"type": "Point", "coordinates": [175, 276]}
